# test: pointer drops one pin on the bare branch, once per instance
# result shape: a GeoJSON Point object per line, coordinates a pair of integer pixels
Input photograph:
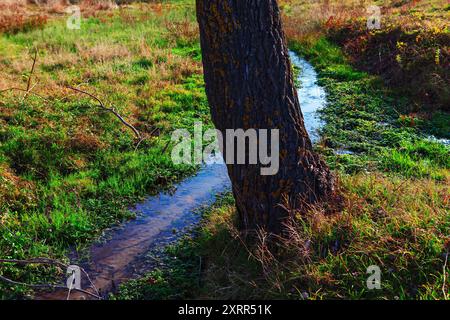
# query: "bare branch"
{"type": "Point", "coordinates": [43, 286]}
{"type": "Point", "coordinates": [46, 286]}
{"type": "Point", "coordinates": [29, 88]}
{"type": "Point", "coordinates": [35, 261]}
{"type": "Point", "coordinates": [112, 110]}
{"type": "Point", "coordinates": [23, 90]}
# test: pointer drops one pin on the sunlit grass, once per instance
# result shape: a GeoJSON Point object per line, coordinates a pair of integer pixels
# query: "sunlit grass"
{"type": "Point", "coordinates": [67, 169]}
{"type": "Point", "coordinates": [399, 225]}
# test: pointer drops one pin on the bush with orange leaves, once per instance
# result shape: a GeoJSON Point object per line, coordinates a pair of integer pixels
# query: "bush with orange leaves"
{"type": "Point", "coordinates": [411, 50]}
{"type": "Point", "coordinates": [14, 18]}
{"type": "Point", "coordinates": [416, 59]}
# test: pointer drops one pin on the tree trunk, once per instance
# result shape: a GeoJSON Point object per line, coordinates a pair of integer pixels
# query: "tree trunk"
{"type": "Point", "coordinates": [249, 84]}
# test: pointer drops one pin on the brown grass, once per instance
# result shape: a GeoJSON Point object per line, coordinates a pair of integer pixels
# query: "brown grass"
{"type": "Point", "coordinates": [399, 225]}
{"type": "Point", "coordinates": [15, 192]}
{"type": "Point", "coordinates": [103, 52]}
{"type": "Point", "coordinates": [14, 17]}
{"type": "Point", "coordinates": [184, 31]}
{"type": "Point", "coordinates": [410, 52]}
{"type": "Point", "coordinates": [306, 18]}
{"type": "Point", "coordinates": [24, 15]}
{"type": "Point", "coordinates": [85, 142]}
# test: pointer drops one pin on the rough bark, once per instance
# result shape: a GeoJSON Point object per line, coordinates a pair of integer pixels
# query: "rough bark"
{"type": "Point", "coordinates": [249, 84]}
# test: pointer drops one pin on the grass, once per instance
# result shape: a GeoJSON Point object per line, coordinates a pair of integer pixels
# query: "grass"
{"type": "Point", "coordinates": [366, 118]}
{"type": "Point", "coordinates": [396, 224]}
{"type": "Point", "coordinates": [395, 216]}
{"type": "Point", "coordinates": [69, 170]}
{"type": "Point", "coordinates": [409, 52]}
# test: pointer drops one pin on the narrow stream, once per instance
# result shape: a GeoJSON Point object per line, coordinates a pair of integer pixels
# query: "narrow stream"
{"type": "Point", "coordinates": [312, 96]}
{"type": "Point", "coordinates": [123, 252]}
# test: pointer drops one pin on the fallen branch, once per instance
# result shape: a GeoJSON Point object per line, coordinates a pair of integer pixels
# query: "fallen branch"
{"type": "Point", "coordinates": [35, 261]}
{"type": "Point", "coordinates": [45, 285]}
{"type": "Point", "coordinates": [112, 110]}
{"type": "Point", "coordinates": [445, 276]}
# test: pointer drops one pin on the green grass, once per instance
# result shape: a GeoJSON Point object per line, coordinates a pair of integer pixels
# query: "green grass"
{"type": "Point", "coordinates": [69, 170]}
{"type": "Point", "coordinates": [366, 118]}
{"type": "Point", "coordinates": [395, 213]}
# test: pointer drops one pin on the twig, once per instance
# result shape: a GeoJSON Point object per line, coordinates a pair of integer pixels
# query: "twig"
{"type": "Point", "coordinates": [49, 262]}
{"type": "Point", "coordinates": [138, 144]}
{"type": "Point", "coordinates": [23, 90]}
{"type": "Point", "coordinates": [29, 88]}
{"type": "Point", "coordinates": [445, 276]}
{"type": "Point", "coordinates": [165, 147]}
{"type": "Point", "coordinates": [35, 261]}
{"type": "Point", "coordinates": [46, 286]}
{"type": "Point", "coordinates": [112, 110]}
{"type": "Point", "coordinates": [90, 281]}
{"type": "Point", "coordinates": [32, 70]}
{"type": "Point", "coordinates": [143, 138]}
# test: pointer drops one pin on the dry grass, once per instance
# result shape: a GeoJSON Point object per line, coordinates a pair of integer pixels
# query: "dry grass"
{"type": "Point", "coordinates": [15, 192]}
{"type": "Point", "coordinates": [308, 18]}
{"type": "Point", "coordinates": [410, 52]}
{"type": "Point", "coordinates": [25, 15]}
{"type": "Point", "coordinates": [85, 142]}
{"type": "Point", "coordinates": [399, 225]}
{"type": "Point", "coordinates": [103, 52]}
{"type": "Point", "coordinates": [185, 31]}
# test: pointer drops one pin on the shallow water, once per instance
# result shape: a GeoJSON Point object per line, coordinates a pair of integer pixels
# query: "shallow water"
{"type": "Point", "coordinates": [121, 253]}
{"type": "Point", "coordinates": [312, 96]}
{"type": "Point", "coordinates": [162, 219]}
{"type": "Point", "coordinates": [445, 142]}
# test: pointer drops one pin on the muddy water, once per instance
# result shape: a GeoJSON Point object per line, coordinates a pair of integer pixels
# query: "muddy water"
{"type": "Point", "coordinates": [123, 252]}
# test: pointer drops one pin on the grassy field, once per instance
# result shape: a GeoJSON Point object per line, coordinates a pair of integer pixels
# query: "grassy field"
{"type": "Point", "coordinates": [410, 51]}
{"type": "Point", "coordinates": [69, 169]}
{"type": "Point", "coordinates": [395, 215]}
{"type": "Point", "coordinates": [394, 179]}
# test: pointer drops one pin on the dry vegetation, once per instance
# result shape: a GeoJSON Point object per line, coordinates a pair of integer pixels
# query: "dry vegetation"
{"type": "Point", "coordinates": [15, 16]}
{"type": "Point", "coordinates": [63, 164]}
{"type": "Point", "coordinates": [25, 15]}
{"type": "Point", "coordinates": [411, 50]}
{"type": "Point", "coordinates": [395, 181]}
{"type": "Point", "coordinates": [67, 167]}
{"type": "Point", "coordinates": [399, 225]}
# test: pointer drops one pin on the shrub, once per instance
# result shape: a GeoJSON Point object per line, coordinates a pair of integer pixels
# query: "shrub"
{"type": "Point", "coordinates": [417, 60]}
{"type": "Point", "coordinates": [19, 22]}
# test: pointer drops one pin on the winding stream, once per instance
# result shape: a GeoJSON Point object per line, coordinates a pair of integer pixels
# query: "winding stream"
{"type": "Point", "coordinates": [123, 251]}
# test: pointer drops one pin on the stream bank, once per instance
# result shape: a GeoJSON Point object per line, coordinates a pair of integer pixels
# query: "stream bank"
{"type": "Point", "coordinates": [390, 208]}
{"type": "Point", "coordinates": [123, 252]}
